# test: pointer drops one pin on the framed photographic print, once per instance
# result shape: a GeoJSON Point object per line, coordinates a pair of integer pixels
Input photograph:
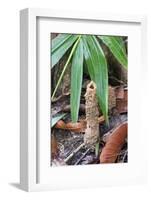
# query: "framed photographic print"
{"type": "Point", "coordinates": [82, 78]}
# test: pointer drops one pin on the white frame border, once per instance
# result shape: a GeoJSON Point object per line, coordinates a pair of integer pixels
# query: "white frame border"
{"type": "Point", "coordinates": [28, 81]}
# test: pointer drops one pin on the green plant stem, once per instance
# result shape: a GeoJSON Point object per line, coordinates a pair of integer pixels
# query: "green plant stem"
{"type": "Point", "coordinates": [97, 149]}
{"type": "Point", "coordinates": [64, 69]}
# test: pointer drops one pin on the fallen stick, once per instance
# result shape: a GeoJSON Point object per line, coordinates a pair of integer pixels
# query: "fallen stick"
{"type": "Point", "coordinates": [83, 155]}
{"type": "Point", "coordinates": [73, 153]}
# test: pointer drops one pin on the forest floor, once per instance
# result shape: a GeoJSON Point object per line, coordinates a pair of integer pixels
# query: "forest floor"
{"type": "Point", "coordinates": [67, 144]}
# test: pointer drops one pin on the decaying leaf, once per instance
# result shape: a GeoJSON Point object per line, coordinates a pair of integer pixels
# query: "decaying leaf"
{"type": "Point", "coordinates": [119, 92]}
{"type": "Point", "coordinates": [54, 146]}
{"type": "Point", "coordinates": [112, 98]}
{"type": "Point", "coordinates": [118, 99]}
{"type": "Point", "coordinates": [121, 101]}
{"type": "Point", "coordinates": [75, 127]}
{"type": "Point", "coordinates": [114, 144]}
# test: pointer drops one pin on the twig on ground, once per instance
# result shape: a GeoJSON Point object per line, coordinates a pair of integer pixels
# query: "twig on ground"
{"type": "Point", "coordinates": [73, 153]}
{"type": "Point", "coordinates": [124, 156]}
{"type": "Point", "coordinates": [83, 155]}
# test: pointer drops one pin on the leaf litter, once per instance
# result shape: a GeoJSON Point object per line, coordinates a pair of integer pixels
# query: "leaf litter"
{"type": "Point", "coordinates": [70, 148]}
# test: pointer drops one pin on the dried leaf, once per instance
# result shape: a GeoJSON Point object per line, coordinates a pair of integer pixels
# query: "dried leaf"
{"type": "Point", "coordinates": [119, 92]}
{"type": "Point", "coordinates": [121, 104]}
{"type": "Point", "coordinates": [54, 146]}
{"type": "Point", "coordinates": [111, 98]}
{"type": "Point", "coordinates": [114, 144]}
{"type": "Point", "coordinates": [75, 127]}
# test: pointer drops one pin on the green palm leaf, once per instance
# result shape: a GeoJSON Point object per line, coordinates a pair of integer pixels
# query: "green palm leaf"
{"type": "Point", "coordinates": [66, 64]}
{"type": "Point", "coordinates": [56, 118]}
{"type": "Point", "coordinates": [121, 42]}
{"type": "Point", "coordinates": [97, 67]}
{"type": "Point", "coordinates": [116, 48]}
{"type": "Point", "coordinates": [76, 81]}
{"type": "Point", "coordinates": [59, 40]}
{"type": "Point", "coordinates": [60, 45]}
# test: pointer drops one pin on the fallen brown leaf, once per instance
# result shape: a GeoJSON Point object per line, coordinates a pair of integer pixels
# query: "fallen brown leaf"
{"type": "Point", "coordinates": [54, 146]}
{"type": "Point", "coordinates": [75, 127]}
{"type": "Point", "coordinates": [114, 144]}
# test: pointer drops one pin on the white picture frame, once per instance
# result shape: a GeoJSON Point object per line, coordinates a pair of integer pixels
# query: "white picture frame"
{"type": "Point", "coordinates": [34, 172]}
